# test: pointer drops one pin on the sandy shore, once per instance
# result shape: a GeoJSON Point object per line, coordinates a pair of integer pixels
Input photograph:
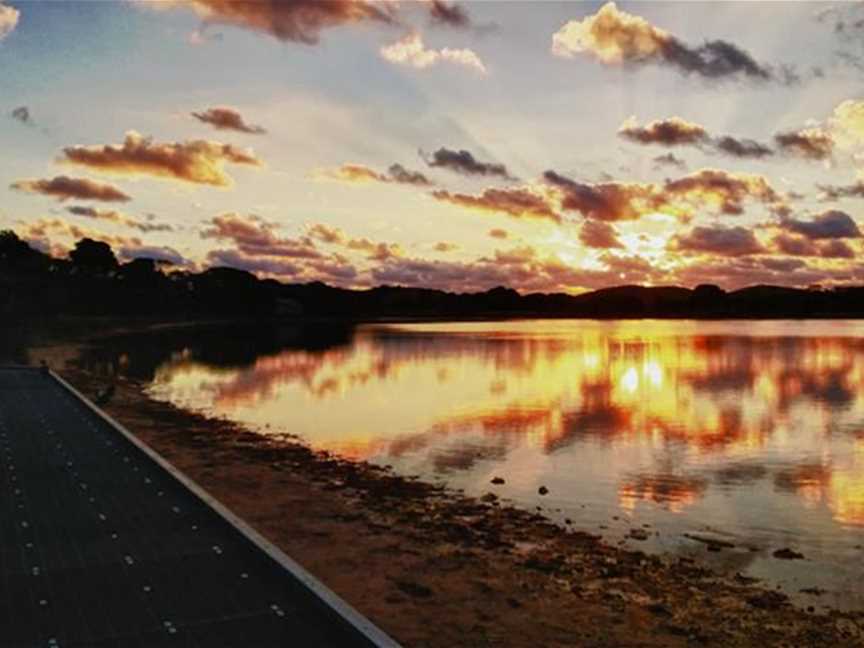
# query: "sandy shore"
{"type": "Point", "coordinates": [435, 568]}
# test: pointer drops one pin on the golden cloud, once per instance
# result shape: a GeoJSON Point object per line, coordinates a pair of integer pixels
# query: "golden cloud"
{"type": "Point", "coordinates": [195, 161]}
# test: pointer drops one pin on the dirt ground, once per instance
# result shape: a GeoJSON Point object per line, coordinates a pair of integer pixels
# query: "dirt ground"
{"type": "Point", "coordinates": [433, 567]}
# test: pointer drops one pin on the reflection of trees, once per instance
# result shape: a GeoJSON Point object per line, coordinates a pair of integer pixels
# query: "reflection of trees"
{"type": "Point", "coordinates": [671, 491]}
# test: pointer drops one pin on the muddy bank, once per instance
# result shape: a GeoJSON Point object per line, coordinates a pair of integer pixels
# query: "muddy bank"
{"type": "Point", "coordinates": [435, 568]}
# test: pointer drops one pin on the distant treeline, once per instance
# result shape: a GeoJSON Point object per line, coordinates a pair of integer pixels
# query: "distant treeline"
{"type": "Point", "coordinates": [91, 282]}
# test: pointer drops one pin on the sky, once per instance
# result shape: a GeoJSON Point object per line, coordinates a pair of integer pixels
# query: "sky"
{"type": "Point", "coordinates": [544, 146]}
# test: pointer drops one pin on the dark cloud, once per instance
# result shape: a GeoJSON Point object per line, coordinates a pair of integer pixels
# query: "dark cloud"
{"type": "Point", "coordinates": [617, 37]}
{"type": "Point", "coordinates": [810, 143]}
{"type": "Point", "coordinates": [162, 253]}
{"type": "Point", "coordinates": [223, 118]}
{"type": "Point", "coordinates": [66, 188]}
{"type": "Point", "coordinates": [836, 192]}
{"type": "Point", "coordinates": [299, 21]}
{"type": "Point", "coordinates": [401, 175]}
{"type": "Point", "coordinates": [448, 14]}
{"type": "Point", "coordinates": [741, 148]}
{"type": "Point", "coordinates": [518, 203]}
{"type": "Point", "coordinates": [334, 236]}
{"type": "Point", "coordinates": [195, 161]}
{"type": "Point", "coordinates": [22, 114]}
{"type": "Point", "coordinates": [599, 234]}
{"type": "Point", "coordinates": [465, 163]}
{"type": "Point", "coordinates": [669, 160]}
{"type": "Point", "coordinates": [673, 131]}
{"type": "Point", "coordinates": [717, 240]}
{"type": "Point", "coordinates": [832, 224]}
{"type": "Point", "coordinates": [608, 201]}
{"type": "Point", "coordinates": [119, 218]}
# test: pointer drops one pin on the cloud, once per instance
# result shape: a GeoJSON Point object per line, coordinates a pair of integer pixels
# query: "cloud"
{"type": "Point", "coordinates": [161, 253]}
{"type": "Point", "coordinates": [444, 246]}
{"type": "Point", "coordinates": [836, 192]}
{"type": "Point", "coordinates": [722, 189]}
{"type": "Point", "coordinates": [360, 173]}
{"type": "Point", "coordinates": [832, 224]}
{"type": "Point", "coordinates": [66, 188]}
{"type": "Point", "coordinates": [44, 232]}
{"type": "Point", "coordinates": [721, 241]}
{"type": "Point", "coordinates": [607, 201]}
{"type": "Point", "coordinates": [372, 249]}
{"type": "Point", "coordinates": [741, 148]}
{"type": "Point", "coordinates": [599, 234]}
{"type": "Point", "coordinates": [119, 218]}
{"type": "Point", "coordinates": [9, 17]}
{"type": "Point", "coordinates": [298, 21]}
{"type": "Point", "coordinates": [266, 265]}
{"type": "Point", "coordinates": [22, 114]}
{"type": "Point", "coordinates": [616, 37]}
{"type": "Point", "coordinates": [410, 50]}
{"type": "Point", "coordinates": [499, 233]}
{"type": "Point", "coordinates": [673, 131]}
{"type": "Point", "coordinates": [801, 246]}
{"type": "Point", "coordinates": [847, 123]}
{"type": "Point", "coordinates": [669, 160]}
{"type": "Point", "coordinates": [810, 143]}
{"type": "Point", "coordinates": [223, 118]}
{"type": "Point", "coordinates": [255, 237]}
{"type": "Point", "coordinates": [448, 14]}
{"type": "Point", "coordinates": [195, 161]}
{"type": "Point", "coordinates": [463, 162]}
{"type": "Point", "coordinates": [518, 203]}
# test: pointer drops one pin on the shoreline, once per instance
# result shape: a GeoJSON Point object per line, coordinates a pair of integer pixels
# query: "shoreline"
{"type": "Point", "coordinates": [434, 567]}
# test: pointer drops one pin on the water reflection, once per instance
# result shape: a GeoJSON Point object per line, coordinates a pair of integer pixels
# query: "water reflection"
{"type": "Point", "coordinates": [449, 396]}
{"type": "Point", "coordinates": [756, 427]}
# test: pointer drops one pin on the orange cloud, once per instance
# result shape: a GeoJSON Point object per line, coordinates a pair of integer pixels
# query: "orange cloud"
{"type": "Point", "coordinates": [673, 131]}
{"type": "Point", "coordinates": [599, 234]}
{"type": "Point", "coordinates": [65, 188]}
{"type": "Point", "coordinates": [223, 118]}
{"type": "Point", "coordinates": [195, 161]}
{"type": "Point", "coordinates": [360, 173]}
{"type": "Point", "coordinates": [255, 237]}
{"type": "Point", "coordinates": [119, 218]}
{"type": "Point", "coordinates": [518, 203]}
{"type": "Point", "coordinates": [410, 50]}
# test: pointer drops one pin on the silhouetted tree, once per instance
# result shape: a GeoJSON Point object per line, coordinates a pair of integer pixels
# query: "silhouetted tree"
{"type": "Point", "coordinates": [93, 256]}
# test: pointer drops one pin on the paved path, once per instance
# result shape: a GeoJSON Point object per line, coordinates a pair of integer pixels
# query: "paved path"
{"type": "Point", "coordinates": [104, 544]}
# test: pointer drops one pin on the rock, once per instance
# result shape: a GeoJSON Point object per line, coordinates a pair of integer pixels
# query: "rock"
{"type": "Point", "coordinates": [568, 521]}
{"type": "Point", "coordinates": [414, 589]}
{"type": "Point", "coordinates": [497, 480]}
{"type": "Point", "coordinates": [788, 554]}
{"type": "Point", "coordinates": [542, 490]}
{"type": "Point", "coordinates": [638, 534]}
{"type": "Point", "coordinates": [768, 600]}
{"type": "Point", "coordinates": [489, 497]}
{"type": "Point", "coordinates": [814, 591]}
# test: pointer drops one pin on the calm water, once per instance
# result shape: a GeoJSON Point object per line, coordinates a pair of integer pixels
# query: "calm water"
{"type": "Point", "coordinates": [750, 432]}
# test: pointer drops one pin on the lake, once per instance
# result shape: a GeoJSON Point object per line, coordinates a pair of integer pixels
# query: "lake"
{"type": "Point", "coordinates": [744, 432]}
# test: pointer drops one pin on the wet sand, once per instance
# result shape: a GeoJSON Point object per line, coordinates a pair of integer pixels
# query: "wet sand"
{"type": "Point", "coordinates": [433, 567]}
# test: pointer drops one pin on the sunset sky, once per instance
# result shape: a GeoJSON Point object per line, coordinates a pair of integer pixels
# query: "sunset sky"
{"type": "Point", "coordinates": [546, 146]}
